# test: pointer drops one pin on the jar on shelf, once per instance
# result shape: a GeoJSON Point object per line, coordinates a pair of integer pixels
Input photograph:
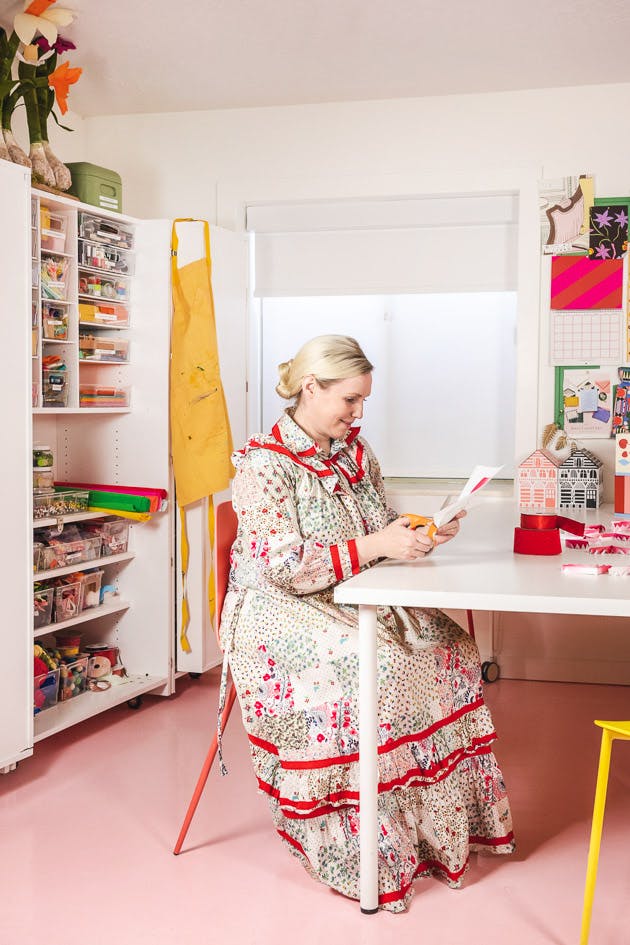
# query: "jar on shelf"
{"type": "Point", "coordinates": [42, 456]}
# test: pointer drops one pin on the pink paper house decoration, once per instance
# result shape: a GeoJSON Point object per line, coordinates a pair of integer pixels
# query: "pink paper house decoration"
{"type": "Point", "coordinates": [580, 481]}
{"type": "Point", "coordinates": [538, 481]}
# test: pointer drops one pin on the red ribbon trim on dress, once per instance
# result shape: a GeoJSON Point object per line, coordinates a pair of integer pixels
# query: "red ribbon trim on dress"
{"type": "Point", "coordinates": [415, 777]}
{"type": "Point", "coordinates": [390, 745]}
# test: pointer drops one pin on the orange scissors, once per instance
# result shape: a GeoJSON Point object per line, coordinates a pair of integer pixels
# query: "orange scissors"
{"type": "Point", "coordinates": [417, 521]}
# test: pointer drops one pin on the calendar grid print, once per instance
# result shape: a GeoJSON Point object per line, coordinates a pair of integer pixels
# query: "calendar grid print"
{"type": "Point", "coordinates": [592, 338]}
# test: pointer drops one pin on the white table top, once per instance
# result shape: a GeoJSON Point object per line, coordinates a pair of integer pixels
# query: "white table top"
{"type": "Point", "coordinates": [479, 570]}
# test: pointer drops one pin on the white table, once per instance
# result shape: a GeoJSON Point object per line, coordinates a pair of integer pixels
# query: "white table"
{"type": "Point", "coordinates": [479, 571]}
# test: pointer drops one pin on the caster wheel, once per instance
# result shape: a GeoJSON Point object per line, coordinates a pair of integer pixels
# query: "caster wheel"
{"type": "Point", "coordinates": [135, 703]}
{"type": "Point", "coordinates": [490, 671]}
{"type": "Point", "coordinates": [194, 675]}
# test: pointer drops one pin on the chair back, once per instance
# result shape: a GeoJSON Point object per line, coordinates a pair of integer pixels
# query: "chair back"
{"type": "Point", "coordinates": [225, 528]}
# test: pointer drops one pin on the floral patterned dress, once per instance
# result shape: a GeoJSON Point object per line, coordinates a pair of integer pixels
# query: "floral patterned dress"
{"type": "Point", "coordinates": [293, 654]}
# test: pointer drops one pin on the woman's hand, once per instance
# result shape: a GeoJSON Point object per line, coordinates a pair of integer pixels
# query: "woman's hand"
{"type": "Point", "coordinates": [449, 530]}
{"type": "Point", "coordinates": [398, 541]}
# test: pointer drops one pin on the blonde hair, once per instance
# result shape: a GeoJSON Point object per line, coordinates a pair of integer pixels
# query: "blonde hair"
{"type": "Point", "coordinates": [328, 358]}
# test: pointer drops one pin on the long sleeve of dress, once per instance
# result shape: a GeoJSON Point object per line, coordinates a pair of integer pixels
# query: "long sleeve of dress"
{"type": "Point", "coordinates": [264, 500]}
{"type": "Point", "coordinates": [376, 478]}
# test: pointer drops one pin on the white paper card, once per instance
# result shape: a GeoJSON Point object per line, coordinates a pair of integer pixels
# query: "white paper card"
{"type": "Point", "coordinates": [480, 476]}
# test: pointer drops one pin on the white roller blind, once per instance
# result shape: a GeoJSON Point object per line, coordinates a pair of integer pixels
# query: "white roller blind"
{"type": "Point", "coordinates": [432, 244]}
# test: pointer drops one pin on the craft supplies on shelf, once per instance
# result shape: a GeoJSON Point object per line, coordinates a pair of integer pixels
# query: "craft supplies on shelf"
{"type": "Point", "coordinates": [105, 230]}
{"type": "Point", "coordinates": [98, 395]}
{"type": "Point", "coordinates": [54, 382]}
{"type": "Point", "coordinates": [104, 313]}
{"type": "Point", "coordinates": [54, 322]}
{"type": "Point", "coordinates": [94, 285]}
{"type": "Point", "coordinates": [52, 230]}
{"type": "Point", "coordinates": [60, 502]}
{"type": "Point", "coordinates": [54, 277]}
{"type": "Point", "coordinates": [42, 606]}
{"type": "Point", "coordinates": [102, 348]}
{"type": "Point", "coordinates": [45, 690]}
{"type": "Point", "coordinates": [106, 258]}
{"type": "Point", "coordinates": [73, 678]}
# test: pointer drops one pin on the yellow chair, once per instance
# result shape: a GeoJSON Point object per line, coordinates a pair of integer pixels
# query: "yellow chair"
{"type": "Point", "coordinates": [611, 730]}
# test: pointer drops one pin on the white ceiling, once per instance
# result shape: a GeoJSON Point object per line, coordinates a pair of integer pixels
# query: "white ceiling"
{"type": "Point", "coordinates": [179, 55]}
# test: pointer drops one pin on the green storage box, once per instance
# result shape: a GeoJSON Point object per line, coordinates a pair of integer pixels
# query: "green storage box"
{"type": "Point", "coordinates": [96, 185]}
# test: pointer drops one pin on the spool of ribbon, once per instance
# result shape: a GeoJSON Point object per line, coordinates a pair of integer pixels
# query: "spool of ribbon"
{"type": "Point", "coordinates": [540, 534]}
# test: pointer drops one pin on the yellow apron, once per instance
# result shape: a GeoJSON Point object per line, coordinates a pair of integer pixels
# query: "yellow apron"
{"type": "Point", "coordinates": [201, 440]}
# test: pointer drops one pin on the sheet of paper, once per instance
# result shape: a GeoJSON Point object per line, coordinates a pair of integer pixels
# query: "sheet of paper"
{"type": "Point", "coordinates": [480, 476]}
{"type": "Point", "coordinates": [592, 338]}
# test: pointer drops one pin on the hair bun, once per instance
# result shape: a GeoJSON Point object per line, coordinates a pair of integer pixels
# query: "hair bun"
{"type": "Point", "coordinates": [284, 372]}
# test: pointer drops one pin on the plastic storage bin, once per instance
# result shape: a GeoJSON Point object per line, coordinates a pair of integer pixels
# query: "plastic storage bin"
{"type": "Point", "coordinates": [68, 602]}
{"type": "Point", "coordinates": [109, 316]}
{"type": "Point", "coordinates": [42, 607]}
{"type": "Point", "coordinates": [52, 231]}
{"type": "Point", "coordinates": [113, 259]}
{"type": "Point", "coordinates": [37, 547]}
{"type": "Point", "coordinates": [97, 395]}
{"type": "Point", "coordinates": [101, 348]}
{"type": "Point", "coordinates": [54, 388]}
{"type": "Point", "coordinates": [54, 321]}
{"type": "Point", "coordinates": [94, 285]}
{"type": "Point", "coordinates": [43, 456]}
{"type": "Point", "coordinates": [73, 678]}
{"type": "Point", "coordinates": [61, 502]}
{"type": "Point", "coordinates": [98, 229]}
{"type": "Point", "coordinates": [96, 185]}
{"type": "Point", "coordinates": [45, 691]}
{"type": "Point", "coordinates": [54, 275]}
{"type": "Point", "coordinates": [115, 535]}
{"type": "Point", "coordinates": [61, 553]}
{"type": "Point", "coordinates": [91, 590]}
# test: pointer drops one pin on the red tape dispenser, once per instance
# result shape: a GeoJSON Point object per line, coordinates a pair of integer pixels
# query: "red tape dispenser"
{"type": "Point", "coordinates": [540, 534]}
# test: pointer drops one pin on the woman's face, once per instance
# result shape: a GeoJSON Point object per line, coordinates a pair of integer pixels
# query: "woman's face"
{"type": "Point", "coordinates": [329, 412]}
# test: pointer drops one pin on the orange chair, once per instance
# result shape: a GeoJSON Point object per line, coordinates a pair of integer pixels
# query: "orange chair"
{"type": "Point", "coordinates": [224, 535]}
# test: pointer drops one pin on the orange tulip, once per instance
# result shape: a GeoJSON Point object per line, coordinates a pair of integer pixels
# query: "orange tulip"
{"type": "Point", "coordinates": [60, 80]}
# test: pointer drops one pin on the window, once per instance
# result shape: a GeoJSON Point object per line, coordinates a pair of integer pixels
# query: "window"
{"type": "Point", "coordinates": [428, 286]}
{"type": "Point", "coordinates": [443, 392]}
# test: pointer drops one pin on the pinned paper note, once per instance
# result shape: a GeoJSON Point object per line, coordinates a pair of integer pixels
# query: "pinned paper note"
{"type": "Point", "coordinates": [608, 238]}
{"type": "Point", "coordinates": [579, 283]}
{"type": "Point", "coordinates": [480, 477]}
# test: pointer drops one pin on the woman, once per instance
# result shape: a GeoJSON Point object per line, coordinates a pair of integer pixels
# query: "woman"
{"type": "Point", "coordinates": [311, 508]}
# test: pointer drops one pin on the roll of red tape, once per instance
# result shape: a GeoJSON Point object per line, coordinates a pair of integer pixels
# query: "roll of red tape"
{"type": "Point", "coordinates": [537, 541]}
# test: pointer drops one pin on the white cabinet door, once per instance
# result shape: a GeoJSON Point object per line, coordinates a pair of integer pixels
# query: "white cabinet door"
{"type": "Point", "coordinates": [229, 285]}
{"type": "Point", "coordinates": [16, 564]}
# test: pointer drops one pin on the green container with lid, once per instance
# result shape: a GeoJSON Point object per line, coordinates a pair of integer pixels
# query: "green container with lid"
{"type": "Point", "coordinates": [96, 185]}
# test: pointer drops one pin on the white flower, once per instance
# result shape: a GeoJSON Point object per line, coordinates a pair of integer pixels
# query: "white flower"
{"type": "Point", "coordinates": [37, 18]}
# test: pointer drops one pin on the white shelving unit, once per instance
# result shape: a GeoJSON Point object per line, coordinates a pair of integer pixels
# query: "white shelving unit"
{"type": "Point", "coordinates": [114, 445]}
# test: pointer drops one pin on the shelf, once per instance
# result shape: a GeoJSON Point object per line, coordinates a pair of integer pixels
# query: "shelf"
{"type": "Point", "coordinates": [92, 614]}
{"type": "Point", "coordinates": [102, 271]}
{"type": "Point", "coordinates": [54, 252]}
{"type": "Point", "coordinates": [83, 565]}
{"type": "Point", "coordinates": [101, 361]}
{"type": "Point", "coordinates": [52, 411]}
{"type": "Point", "coordinates": [66, 714]}
{"type": "Point", "coordinates": [45, 298]}
{"type": "Point", "coordinates": [102, 299]}
{"type": "Point", "coordinates": [70, 517]}
{"type": "Point", "coordinates": [103, 325]}
{"type": "Point", "coordinates": [112, 245]}
{"type": "Point", "coordinates": [57, 341]}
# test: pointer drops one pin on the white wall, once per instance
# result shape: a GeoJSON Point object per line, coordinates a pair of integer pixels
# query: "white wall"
{"type": "Point", "coordinates": [67, 145]}
{"type": "Point", "coordinates": [212, 164]}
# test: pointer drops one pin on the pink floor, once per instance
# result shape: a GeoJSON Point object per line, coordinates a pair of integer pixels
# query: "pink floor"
{"type": "Point", "coordinates": [87, 826]}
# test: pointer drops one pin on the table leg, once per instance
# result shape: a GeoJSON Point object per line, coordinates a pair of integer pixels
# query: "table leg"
{"type": "Point", "coordinates": [368, 769]}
